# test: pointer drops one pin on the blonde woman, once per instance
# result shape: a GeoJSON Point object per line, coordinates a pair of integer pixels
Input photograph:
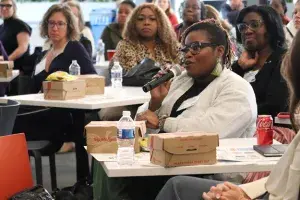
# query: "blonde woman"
{"type": "Point", "coordinates": [147, 33]}
{"type": "Point", "coordinates": [212, 13]}
{"type": "Point", "coordinates": [166, 6]}
{"type": "Point", "coordinates": [84, 30]}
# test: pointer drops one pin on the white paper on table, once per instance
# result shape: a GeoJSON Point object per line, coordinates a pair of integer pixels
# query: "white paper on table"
{"type": "Point", "coordinates": [241, 154]}
{"type": "Point", "coordinates": [109, 157]}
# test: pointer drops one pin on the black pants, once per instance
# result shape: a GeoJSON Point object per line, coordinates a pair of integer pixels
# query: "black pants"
{"type": "Point", "coordinates": [51, 124]}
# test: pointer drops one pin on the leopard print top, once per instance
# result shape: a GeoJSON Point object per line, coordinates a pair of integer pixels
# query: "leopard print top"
{"type": "Point", "coordinates": [129, 54]}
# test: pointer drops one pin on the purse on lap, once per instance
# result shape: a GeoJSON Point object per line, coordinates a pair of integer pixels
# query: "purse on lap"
{"type": "Point", "coordinates": [141, 74]}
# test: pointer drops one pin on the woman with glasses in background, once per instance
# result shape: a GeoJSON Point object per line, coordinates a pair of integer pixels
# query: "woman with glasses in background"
{"type": "Point", "coordinates": [191, 11]}
{"type": "Point", "coordinates": [260, 30]}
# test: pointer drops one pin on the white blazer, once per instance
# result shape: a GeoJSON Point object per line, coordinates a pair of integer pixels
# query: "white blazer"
{"type": "Point", "coordinates": [227, 106]}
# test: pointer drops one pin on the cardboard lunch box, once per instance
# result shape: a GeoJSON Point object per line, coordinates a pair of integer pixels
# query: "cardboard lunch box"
{"type": "Point", "coordinates": [101, 136]}
{"type": "Point", "coordinates": [95, 84]}
{"type": "Point", "coordinates": [64, 90]}
{"type": "Point", "coordinates": [6, 68]}
{"type": "Point", "coordinates": [183, 149]}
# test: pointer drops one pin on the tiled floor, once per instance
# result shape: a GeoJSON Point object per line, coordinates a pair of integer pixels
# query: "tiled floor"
{"type": "Point", "coordinates": [65, 170]}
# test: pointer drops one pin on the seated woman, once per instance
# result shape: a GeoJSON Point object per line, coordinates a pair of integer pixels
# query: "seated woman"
{"type": "Point", "coordinates": [283, 182]}
{"type": "Point", "coordinates": [147, 34]}
{"type": "Point", "coordinates": [59, 26]}
{"type": "Point", "coordinates": [260, 31]}
{"type": "Point", "coordinates": [112, 34]}
{"type": "Point", "coordinates": [166, 6]}
{"type": "Point", "coordinates": [204, 96]}
{"type": "Point", "coordinates": [191, 11]}
{"type": "Point", "coordinates": [14, 33]}
{"type": "Point", "coordinates": [86, 36]}
{"type": "Point", "coordinates": [294, 25]}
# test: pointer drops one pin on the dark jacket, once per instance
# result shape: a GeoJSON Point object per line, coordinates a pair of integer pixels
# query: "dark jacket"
{"type": "Point", "coordinates": [269, 86]}
{"type": "Point", "coordinates": [111, 36]}
{"type": "Point", "coordinates": [229, 14]}
{"type": "Point", "coordinates": [73, 51]}
{"type": "Point", "coordinates": [87, 45]}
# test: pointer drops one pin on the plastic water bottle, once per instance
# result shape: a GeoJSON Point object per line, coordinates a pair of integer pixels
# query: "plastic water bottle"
{"type": "Point", "coordinates": [100, 52]}
{"type": "Point", "coordinates": [116, 75]}
{"type": "Point", "coordinates": [126, 127]}
{"type": "Point", "coordinates": [74, 68]}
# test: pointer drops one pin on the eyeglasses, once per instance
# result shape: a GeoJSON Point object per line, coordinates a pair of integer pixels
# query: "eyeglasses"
{"type": "Point", "coordinates": [59, 24]}
{"type": "Point", "coordinates": [253, 25]}
{"type": "Point", "coordinates": [5, 5]}
{"type": "Point", "coordinates": [195, 47]}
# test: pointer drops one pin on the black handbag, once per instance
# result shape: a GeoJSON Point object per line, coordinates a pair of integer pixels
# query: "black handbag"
{"type": "Point", "coordinates": [141, 74]}
{"type": "Point", "coordinates": [35, 193]}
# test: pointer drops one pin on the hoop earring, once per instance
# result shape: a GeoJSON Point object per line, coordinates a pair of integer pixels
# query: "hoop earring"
{"type": "Point", "coordinates": [218, 68]}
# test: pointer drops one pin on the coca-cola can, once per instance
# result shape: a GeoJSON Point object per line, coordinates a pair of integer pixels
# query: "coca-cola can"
{"type": "Point", "coordinates": [264, 130]}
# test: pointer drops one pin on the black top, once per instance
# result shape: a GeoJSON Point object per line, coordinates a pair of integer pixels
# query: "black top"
{"type": "Point", "coordinates": [229, 14]}
{"type": "Point", "coordinates": [269, 86]}
{"type": "Point", "coordinates": [193, 91]}
{"type": "Point", "coordinates": [74, 50]}
{"type": "Point", "coordinates": [8, 35]}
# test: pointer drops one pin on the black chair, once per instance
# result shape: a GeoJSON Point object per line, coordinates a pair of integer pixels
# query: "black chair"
{"type": "Point", "coordinates": [37, 149]}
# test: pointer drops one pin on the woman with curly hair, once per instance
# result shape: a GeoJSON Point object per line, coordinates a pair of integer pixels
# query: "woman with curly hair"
{"type": "Point", "coordinates": [147, 34]}
{"type": "Point", "coordinates": [191, 11]}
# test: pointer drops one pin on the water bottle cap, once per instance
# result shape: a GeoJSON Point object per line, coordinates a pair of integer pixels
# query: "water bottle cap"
{"type": "Point", "coordinates": [74, 61]}
{"type": "Point", "coordinates": [126, 113]}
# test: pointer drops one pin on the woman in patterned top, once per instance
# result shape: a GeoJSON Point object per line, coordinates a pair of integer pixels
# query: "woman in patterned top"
{"type": "Point", "coordinates": [147, 33]}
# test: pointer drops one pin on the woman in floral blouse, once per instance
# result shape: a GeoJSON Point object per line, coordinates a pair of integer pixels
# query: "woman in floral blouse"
{"type": "Point", "coordinates": [148, 33]}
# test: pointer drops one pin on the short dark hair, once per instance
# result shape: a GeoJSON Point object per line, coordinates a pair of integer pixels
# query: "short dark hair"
{"type": "Point", "coordinates": [216, 34]}
{"type": "Point", "coordinates": [128, 2]}
{"type": "Point", "coordinates": [271, 20]}
{"type": "Point", "coordinates": [202, 9]}
{"type": "Point", "coordinates": [283, 3]}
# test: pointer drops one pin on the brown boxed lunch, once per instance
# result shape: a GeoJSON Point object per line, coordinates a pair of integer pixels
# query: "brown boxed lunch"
{"type": "Point", "coordinates": [101, 136]}
{"type": "Point", "coordinates": [183, 149]}
{"type": "Point", "coordinates": [95, 84]}
{"type": "Point", "coordinates": [64, 90]}
{"type": "Point", "coordinates": [6, 68]}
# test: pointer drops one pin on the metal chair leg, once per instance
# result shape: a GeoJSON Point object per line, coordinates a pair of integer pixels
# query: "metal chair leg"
{"type": "Point", "coordinates": [53, 172]}
{"type": "Point", "coordinates": [38, 167]}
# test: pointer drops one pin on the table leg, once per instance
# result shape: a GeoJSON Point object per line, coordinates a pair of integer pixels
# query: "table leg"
{"type": "Point", "coordinates": [82, 161]}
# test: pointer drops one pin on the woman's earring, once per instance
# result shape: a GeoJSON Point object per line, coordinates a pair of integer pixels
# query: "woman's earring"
{"type": "Point", "coordinates": [218, 68]}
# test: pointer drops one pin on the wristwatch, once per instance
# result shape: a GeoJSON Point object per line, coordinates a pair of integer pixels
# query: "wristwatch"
{"type": "Point", "coordinates": [161, 122]}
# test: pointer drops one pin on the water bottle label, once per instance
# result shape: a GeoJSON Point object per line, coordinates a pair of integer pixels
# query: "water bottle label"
{"type": "Point", "coordinates": [127, 134]}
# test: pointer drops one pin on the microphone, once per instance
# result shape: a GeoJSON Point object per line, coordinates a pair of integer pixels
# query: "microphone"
{"type": "Point", "coordinates": [173, 72]}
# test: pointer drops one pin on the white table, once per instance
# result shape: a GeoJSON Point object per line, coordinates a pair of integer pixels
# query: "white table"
{"type": "Point", "coordinates": [102, 64]}
{"type": "Point", "coordinates": [15, 73]}
{"type": "Point", "coordinates": [145, 168]}
{"type": "Point", "coordinates": [111, 98]}
{"type": "Point", "coordinates": [282, 121]}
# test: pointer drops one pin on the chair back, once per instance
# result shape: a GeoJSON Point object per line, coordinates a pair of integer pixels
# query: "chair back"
{"type": "Point", "coordinates": [8, 113]}
{"type": "Point", "coordinates": [15, 169]}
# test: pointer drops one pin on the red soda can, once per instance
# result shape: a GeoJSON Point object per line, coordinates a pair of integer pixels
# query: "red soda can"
{"type": "Point", "coordinates": [264, 130]}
